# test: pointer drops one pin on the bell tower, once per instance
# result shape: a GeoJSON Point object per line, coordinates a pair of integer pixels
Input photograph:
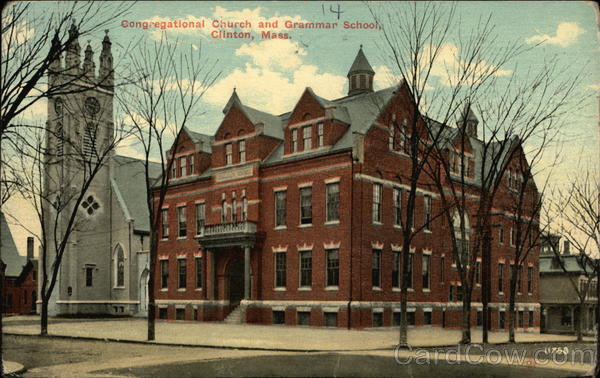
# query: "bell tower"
{"type": "Point", "coordinates": [79, 129]}
{"type": "Point", "coordinates": [360, 76]}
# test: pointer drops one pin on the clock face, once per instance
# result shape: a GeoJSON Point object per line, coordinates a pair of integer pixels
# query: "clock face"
{"type": "Point", "coordinates": [58, 107]}
{"type": "Point", "coordinates": [92, 106]}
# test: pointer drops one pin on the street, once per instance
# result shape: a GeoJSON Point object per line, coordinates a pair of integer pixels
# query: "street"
{"type": "Point", "coordinates": [71, 357]}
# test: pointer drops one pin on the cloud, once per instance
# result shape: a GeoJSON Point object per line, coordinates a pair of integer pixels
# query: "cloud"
{"type": "Point", "coordinates": [566, 34]}
{"type": "Point", "coordinates": [594, 86]}
{"type": "Point", "coordinates": [274, 82]}
{"type": "Point", "coordinates": [276, 53]}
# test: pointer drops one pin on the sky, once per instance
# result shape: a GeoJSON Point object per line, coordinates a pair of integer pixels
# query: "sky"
{"type": "Point", "coordinates": [271, 74]}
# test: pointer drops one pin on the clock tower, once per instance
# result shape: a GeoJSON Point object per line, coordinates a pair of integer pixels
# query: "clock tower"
{"type": "Point", "coordinates": [79, 129]}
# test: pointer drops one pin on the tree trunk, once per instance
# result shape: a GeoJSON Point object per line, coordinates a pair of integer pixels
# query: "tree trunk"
{"type": "Point", "coordinates": [580, 321]}
{"type": "Point", "coordinates": [151, 275]}
{"type": "Point", "coordinates": [597, 316]}
{"type": "Point", "coordinates": [466, 319]}
{"type": "Point", "coordinates": [511, 303]}
{"type": "Point", "coordinates": [44, 316]}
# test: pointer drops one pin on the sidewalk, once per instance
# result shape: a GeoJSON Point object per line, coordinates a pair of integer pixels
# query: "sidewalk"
{"type": "Point", "coordinates": [281, 338]}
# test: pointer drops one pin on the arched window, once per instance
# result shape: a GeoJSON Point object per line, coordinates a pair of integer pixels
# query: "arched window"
{"type": "Point", "coordinates": [462, 238]}
{"type": "Point", "coordinates": [119, 261]}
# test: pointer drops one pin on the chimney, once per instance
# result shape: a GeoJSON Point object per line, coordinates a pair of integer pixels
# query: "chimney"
{"type": "Point", "coordinates": [30, 247]}
{"type": "Point", "coordinates": [567, 248]}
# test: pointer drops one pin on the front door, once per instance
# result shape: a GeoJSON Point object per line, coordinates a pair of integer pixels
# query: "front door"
{"type": "Point", "coordinates": [236, 281]}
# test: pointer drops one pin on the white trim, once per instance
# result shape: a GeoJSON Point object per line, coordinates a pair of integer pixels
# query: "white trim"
{"type": "Point", "coordinates": [304, 247]}
{"type": "Point", "coordinates": [332, 245]}
{"type": "Point", "coordinates": [280, 249]}
{"type": "Point", "coordinates": [280, 188]}
{"type": "Point", "coordinates": [426, 251]}
{"type": "Point", "coordinates": [389, 183]}
{"type": "Point", "coordinates": [377, 245]}
{"type": "Point", "coordinates": [192, 301]}
{"type": "Point", "coordinates": [99, 301]}
{"type": "Point", "coordinates": [332, 180]}
{"type": "Point", "coordinates": [305, 184]}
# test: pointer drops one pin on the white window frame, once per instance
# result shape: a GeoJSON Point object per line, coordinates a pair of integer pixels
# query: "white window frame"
{"type": "Point", "coordinates": [320, 135]}
{"type": "Point", "coordinates": [307, 138]}
{"type": "Point", "coordinates": [229, 154]}
{"type": "Point", "coordinates": [242, 146]}
{"type": "Point", "coordinates": [376, 205]}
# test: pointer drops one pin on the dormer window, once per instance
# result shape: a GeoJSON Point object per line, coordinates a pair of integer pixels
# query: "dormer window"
{"type": "Point", "coordinates": [391, 137]}
{"type": "Point", "coordinates": [182, 166]}
{"type": "Point", "coordinates": [295, 140]}
{"type": "Point", "coordinates": [320, 135]}
{"type": "Point", "coordinates": [192, 165]}
{"type": "Point", "coordinates": [307, 137]}
{"type": "Point", "coordinates": [242, 151]}
{"type": "Point", "coordinates": [228, 154]}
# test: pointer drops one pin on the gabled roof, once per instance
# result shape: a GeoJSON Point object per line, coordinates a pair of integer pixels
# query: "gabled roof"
{"type": "Point", "coordinates": [129, 183]}
{"type": "Point", "coordinates": [202, 140]}
{"type": "Point", "coordinates": [10, 255]}
{"type": "Point", "coordinates": [272, 124]}
{"type": "Point", "coordinates": [360, 64]}
{"type": "Point", "coordinates": [572, 263]}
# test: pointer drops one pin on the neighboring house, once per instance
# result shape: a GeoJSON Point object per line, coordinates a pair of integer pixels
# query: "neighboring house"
{"type": "Point", "coordinates": [105, 265]}
{"type": "Point", "coordinates": [20, 274]}
{"type": "Point", "coordinates": [559, 299]}
{"type": "Point", "coordinates": [293, 219]}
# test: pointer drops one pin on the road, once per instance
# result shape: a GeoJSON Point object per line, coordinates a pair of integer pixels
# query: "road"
{"type": "Point", "coordinates": [68, 357]}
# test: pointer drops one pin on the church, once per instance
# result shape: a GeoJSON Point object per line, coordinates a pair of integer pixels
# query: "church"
{"type": "Point", "coordinates": [289, 218]}
{"type": "Point", "coordinates": [105, 264]}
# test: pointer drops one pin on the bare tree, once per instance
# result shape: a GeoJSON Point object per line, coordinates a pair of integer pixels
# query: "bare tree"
{"type": "Point", "coordinates": [574, 214]}
{"type": "Point", "coordinates": [417, 43]}
{"type": "Point", "coordinates": [163, 101]}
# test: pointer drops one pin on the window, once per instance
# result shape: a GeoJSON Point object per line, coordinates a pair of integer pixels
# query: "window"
{"type": "Point", "coordinates": [377, 203]}
{"type": "Point", "coordinates": [391, 137]}
{"type": "Point", "coordinates": [182, 166]}
{"type": "Point", "coordinates": [501, 319]}
{"type": "Point", "coordinates": [513, 237]}
{"type": "Point", "coordinates": [89, 276]}
{"type": "Point", "coordinates": [333, 202]}
{"type": "Point", "coordinates": [521, 319]}
{"type": "Point", "coordinates": [295, 140]}
{"type": "Point", "coordinates": [181, 221]}
{"type": "Point", "coordinates": [376, 268]}
{"type": "Point", "coordinates": [305, 268]}
{"type": "Point", "coordinates": [165, 223]}
{"type": "Point", "coordinates": [180, 314]}
{"type": "Point", "coordinates": [333, 267]}
{"type": "Point", "coordinates": [427, 317]}
{"type": "Point", "coordinates": [410, 271]}
{"type": "Point", "coordinates": [307, 137]}
{"type": "Point", "coordinates": [565, 319]}
{"type": "Point", "coordinates": [427, 211]}
{"type": "Point", "coordinates": [223, 211]}
{"type": "Point", "coordinates": [164, 274]}
{"type": "Point", "coordinates": [278, 317]}
{"type": "Point", "coordinates": [89, 142]}
{"type": "Point", "coordinates": [396, 317]}
{"type": "Point", "coordinates": [395, 268]}
{"type": "Point", "coordinates": [242, 151]}
{"type": "Point", "coordinates": [397, 207]}
{"type": "Point", "coordinates": [330, 319]}
{"type": "Point", "coordinates": [182, 270]}
{"type": "Point", "coordinates": [60, 140]}
{"type": "Point", "coordinates": [228, 154]}
{"type": "Point", "coordinates": [173, 169]}
{"type": "Point", "coordinates": [530, 320]}
{"type": "Point", "coordinates": [377, 319]}
{"type": "Point", "coordinates": [425, 271]}
{"type": "Point", "coordinates": [280, 208]}
{"type": "Point", "coordinates": [303, 318]}
{"type": "Point", "coordinates": [451, 293]}
{"type": "Point", "coordinates": [244, 209]}
{"type": "Point", "coordinates": [442, 269]}
{"type": "Point", "coordinates": [478, 272]}
{"type": "Point", "coordinates": [162, 313]}
{"type": "Point", "coordinates": [479, 318]}
{"type": "Point", "coordinates": [306, 205]}
{"type": "Point", "coordinates": [200, 208]}
{"type": "Point", "coordinates": [280, 269]}
{"type": "Point", "coordinates": [120, 267]}
{"type": "Point", "coordinates": [234, 211]}
{"type": "Point", "coordinates": [192, 165]}
{"type": "Point", "coordinates": [459, 293]}
{"type": "Point", "coordinates": [462, 240]}
{"type": "Point", "coordinates": [410, 318]}
{"type": "Point", "coordinates": [501, 234]}
{"type": "Point", "coordinates": [320, 135]}
{"type": "Point", "coordinates": [199, 271]}
{"type": "Point", "coordinates": [500, 277]}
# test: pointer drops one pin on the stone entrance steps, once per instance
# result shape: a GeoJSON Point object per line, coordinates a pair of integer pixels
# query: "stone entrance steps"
{"type": "Point", "coordinates": [235, 316]}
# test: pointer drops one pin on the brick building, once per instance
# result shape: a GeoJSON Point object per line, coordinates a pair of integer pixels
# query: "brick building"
{"type": "Point", "coordinates": [19, 274]}
{"type": "Point", "coordinates": [292, 219]}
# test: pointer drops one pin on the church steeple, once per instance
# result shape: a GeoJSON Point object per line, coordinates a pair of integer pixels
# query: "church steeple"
{"type": "Point", "coordinates": [106, 74]}
{"type": "Point", "coordinates": [73, 50]}
{"type": "Point", "coordinates": [89, 67]}
{"type": "Point", "coordinates": [360, 75]}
